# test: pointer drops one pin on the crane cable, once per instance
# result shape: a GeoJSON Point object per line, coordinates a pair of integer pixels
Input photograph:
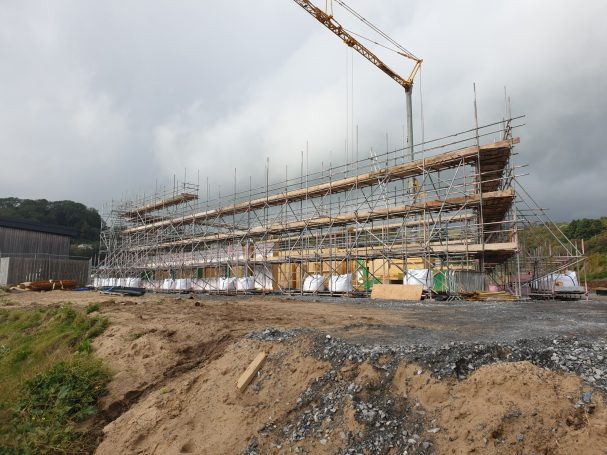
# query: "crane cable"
{"type": "Point", "coordinates": [421, 110]}
{"type": "Point", "coordinates": [407, 53]}
{"type": "Point", "coordinates": [372, 41]}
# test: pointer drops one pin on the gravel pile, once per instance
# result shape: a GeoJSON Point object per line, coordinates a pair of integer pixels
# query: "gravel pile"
{"type": "Point", "coordinates": [389, 423]}
{"type": "Point", "coordinates": [275, 335]}
{"type": "Point", "coordinates": [586, 358]}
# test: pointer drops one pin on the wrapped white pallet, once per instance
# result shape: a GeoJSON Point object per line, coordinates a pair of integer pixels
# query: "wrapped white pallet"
{"type": "Point", "coordinates": [96, 282]}
{"type": "Point", "coordinates": [245, 284]}
{"type": "Point", "coordinates": [226, 284]}
{"type": "Point", "coordinates": [421, 276]}
{"type": "Point", "coordinates": [314, 283]}
{"type": "Point", "coordinates": [151, 285]}
{"type": "Point", "coordinates": [211, 284]}
{"type": "Point", "coordinates": [168, 284]}
{"type": "Point", "coordinates": [183, 284]}
{"type": "Point", "coordinates": [133, 282]}
{"type": "Point", "coordinates": [122, 282]}
{"type": "Point", "coordinates": [340, 283]}
{"type": "Point", "coordinates": [198, 284]}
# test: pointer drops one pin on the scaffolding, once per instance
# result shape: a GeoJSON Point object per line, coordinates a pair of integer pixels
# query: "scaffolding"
{"type": "Point", "coordinates": [455, 210]}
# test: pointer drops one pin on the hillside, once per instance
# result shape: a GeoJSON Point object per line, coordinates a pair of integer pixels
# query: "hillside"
{"type": "Point", "coordinates": [593, 233]}
{"type": "Point", "coordinates": [85, 220]}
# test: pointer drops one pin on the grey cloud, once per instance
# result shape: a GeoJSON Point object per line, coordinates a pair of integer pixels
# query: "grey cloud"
{"type": "Point", "coordinates": [101, 99]}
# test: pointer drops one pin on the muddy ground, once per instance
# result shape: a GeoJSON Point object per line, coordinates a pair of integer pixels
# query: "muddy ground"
{"type": "Point", "coordinates": [349, 376]}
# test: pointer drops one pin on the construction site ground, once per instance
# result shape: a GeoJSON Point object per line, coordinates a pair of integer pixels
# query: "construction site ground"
{"type": "Point", "coordinates": [348, 375]}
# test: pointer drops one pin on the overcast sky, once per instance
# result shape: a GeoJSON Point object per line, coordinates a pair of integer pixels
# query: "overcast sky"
{"type": "Point", "coordinates": [100, 99]}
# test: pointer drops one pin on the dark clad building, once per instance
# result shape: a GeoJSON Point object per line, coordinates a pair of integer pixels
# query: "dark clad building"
{"type": "Point", "coordinates": [31, 251]}
{"type": "Point", "coordinates": [24, 237]}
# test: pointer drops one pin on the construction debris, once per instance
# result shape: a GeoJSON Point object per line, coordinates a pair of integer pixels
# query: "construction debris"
{"type": "Point", "coordinates": [122, 290]}
{"type": "Point", "coordinates": [49, 285]}
{"type": "Point", "coordinates": [486, 296]}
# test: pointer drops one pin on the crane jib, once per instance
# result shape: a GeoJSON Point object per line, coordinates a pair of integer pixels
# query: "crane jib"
{"type": "Point", "coordinates": [329, 22]}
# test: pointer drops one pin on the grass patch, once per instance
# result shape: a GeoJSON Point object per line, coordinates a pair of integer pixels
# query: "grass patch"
{"type": "Point", "coordinates": [92, 308]}
{"type": "Point", "coordinates": [49, 379]}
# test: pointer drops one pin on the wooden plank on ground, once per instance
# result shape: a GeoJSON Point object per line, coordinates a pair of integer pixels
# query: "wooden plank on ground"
{"type": "Point", "coordinates": [246, 377]}
{"type": "Point", "coordinates": [397, 292]}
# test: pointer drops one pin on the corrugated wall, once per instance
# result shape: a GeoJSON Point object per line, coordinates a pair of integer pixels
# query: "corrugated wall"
{"type": "Point", "coordinates": [18, 269]}
{"type": "Point", "coordinates": [30, 242]}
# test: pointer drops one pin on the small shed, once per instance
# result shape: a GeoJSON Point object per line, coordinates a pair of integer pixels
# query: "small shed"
{"type": "Point", "coordinates": [31, 251]}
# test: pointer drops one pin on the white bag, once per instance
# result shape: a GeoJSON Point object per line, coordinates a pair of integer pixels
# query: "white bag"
{"type": "Point", "coordinates": [421, 276]}
{"type": "Point", "coordinates": [314, 283]}
{"type": "Point", "coordinates": [226, 284]}
{"type": "Point", "coordinates": [341, 283]}
{"type": "Point", "coordinates": [245, 284]}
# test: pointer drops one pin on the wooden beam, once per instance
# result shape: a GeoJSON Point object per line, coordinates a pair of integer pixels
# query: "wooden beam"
{"type": "Point", "coordinates": [411, 169]}
{"type": "Point", "coordinates": [163, 203]}
{"type": "Point", "coordinates": [496, 200]}
{"type": "Point", "coordinates": [246, 377]}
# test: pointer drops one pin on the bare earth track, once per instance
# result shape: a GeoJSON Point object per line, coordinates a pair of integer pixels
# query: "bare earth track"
{"type": "Point", "coordinates": [349, 376]}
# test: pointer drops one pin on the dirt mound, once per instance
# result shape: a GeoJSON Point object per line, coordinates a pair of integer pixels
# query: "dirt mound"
{"type": "Point", "coordinates": [369, 402]}
{"type": "Point", "coordinates": [362, 378]}
{"type": "Point", "coordinates": [202, 412]}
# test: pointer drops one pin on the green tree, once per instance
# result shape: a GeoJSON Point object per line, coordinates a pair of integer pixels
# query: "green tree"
{"type": "Point", "coordinates": [86, 221]}
{"type": "Point", "coordinates": [584, 228]}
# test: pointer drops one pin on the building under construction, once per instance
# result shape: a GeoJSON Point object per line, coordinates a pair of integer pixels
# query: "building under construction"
{"type": "Point", "coordinates": [450, 220]}
{"type": "Point", "coordinates": [445, 214]}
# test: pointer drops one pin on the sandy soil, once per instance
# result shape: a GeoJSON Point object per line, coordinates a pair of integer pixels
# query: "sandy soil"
{"type": "Point", "coordinates": [508, 408]}
{"type": "Point", "coordinates": [176, 362]}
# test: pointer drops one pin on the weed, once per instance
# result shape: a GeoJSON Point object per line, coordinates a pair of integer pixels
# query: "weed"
{"type": "Point", "coordinates": [4, 350]}
{"type": "Point", "coordinates": [20, 355]}
{"type": "Point", "coordinates": [53, 403]}
{"type": "Point", "coordinates": [49, 379]}
{"type": "Point", "coordinates": [85, 346]}
{"type": "Point", "coordinates": [92, 308]}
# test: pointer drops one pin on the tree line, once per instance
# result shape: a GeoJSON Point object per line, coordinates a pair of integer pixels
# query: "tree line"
{"type": "Point", "coordinates": [85, 220]}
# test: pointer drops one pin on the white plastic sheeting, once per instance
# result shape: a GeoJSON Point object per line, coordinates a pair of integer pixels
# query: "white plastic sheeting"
{"type": "Point", "coordinates": [245, 284]}
{"type": "Point", "coordinates": [340, 283]}
{"type": "Point", "coordinates": [558, 282]}
{"type": "Point", "coordinates": [226, 284]}
{"type": "Point", "coordinates": [126, 282]}
{"type": "Point", "coordinates": [263, 278]}
{"type": "Point", "coordinates": [421, 276]}
{"type": "Point", "coordinates": [314, 283]}
{"type": "Point", "coordinates": [567, 279]}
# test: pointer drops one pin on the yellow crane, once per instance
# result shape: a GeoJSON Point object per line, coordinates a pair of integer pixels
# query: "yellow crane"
{"type": "Point", "coordinates": [326, 18]}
